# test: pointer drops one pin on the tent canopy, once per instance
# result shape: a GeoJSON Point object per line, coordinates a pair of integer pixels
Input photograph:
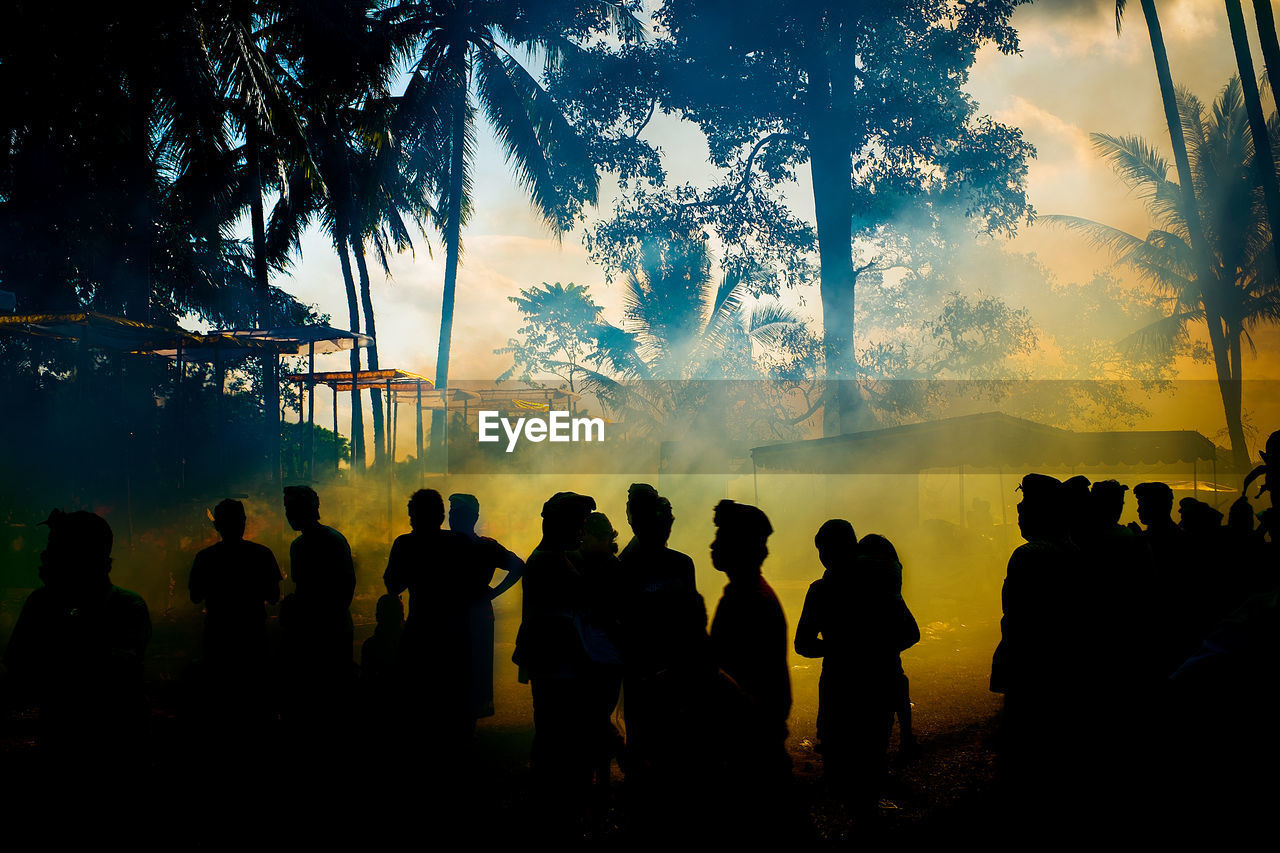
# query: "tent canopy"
{"type": "Point", "coordinates": [340, 380]}
{"type": "Point", "coordinates": [100, 331]}
{"type": "Point", "coordinates": [218, 346]}
{"type": "Point", "coordinates": [297, 340]}
{"type": "Point", "coordinates": [987, 440]}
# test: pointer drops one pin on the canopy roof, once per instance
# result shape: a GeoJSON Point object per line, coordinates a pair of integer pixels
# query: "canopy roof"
{"type": "Point", "coordinates": [987, 440]}
{"type": "Point", "coordinates": [297, 340]}
{"type": "Point", "coordinates": [340, 380]}
{"type": "Point", "coordinates": [101, 331]}
{"type": "Point", "coordinates": [217, 346]}
{"type": "Point", "coordinates": [502, 399]}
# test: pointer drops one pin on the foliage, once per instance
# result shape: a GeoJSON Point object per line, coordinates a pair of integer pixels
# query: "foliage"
{"type": "Point", "coordinates": [558, 334]}
{"type": "Point", "coordinates": [870, 96]}
{"type": "Point", "coordinates": [1243, 290]}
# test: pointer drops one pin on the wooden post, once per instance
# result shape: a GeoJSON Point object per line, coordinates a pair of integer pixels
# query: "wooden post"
{"type": "Point", "coordinates": [391, 468]}
{"type": "Point", "coordinates": [337, 458]}
{"type": "Point", "coordinates": [182, 426]}
{"type": "Point", "coordinates": [311, 410]}
{"type": "Point", "coordinates": [422, 463]}
{"type": "Point", "coordinates": [219, 381]}
{"type": "Point", "coordinates": [355, 401]}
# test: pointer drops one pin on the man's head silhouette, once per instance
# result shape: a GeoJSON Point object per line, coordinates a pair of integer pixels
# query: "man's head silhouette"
{"type": "Point", "coordinates": [464, 512]}
{"type": "Point", "coordinates": [742, 532]}
{"type": "Point", "coordinates": [78, 554]}
{"type": "Point", "coordinates": [301, 506]}
{"type": "Point", "coordinates": [426, 510]}
{"type": "Point", "coordinates": [229, 520]}
{"type": "Point", "coordinates": [836, 543]}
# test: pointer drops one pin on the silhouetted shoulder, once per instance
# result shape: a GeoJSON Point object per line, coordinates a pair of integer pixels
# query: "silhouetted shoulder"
{"type": "Point", "coordinates": [129, 614]}
{"type": "Point", "coordinates": [260, 551]}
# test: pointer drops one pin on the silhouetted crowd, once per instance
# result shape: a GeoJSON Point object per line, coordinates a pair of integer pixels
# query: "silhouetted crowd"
{"type": "Point", "coordinates": [1131, 657]}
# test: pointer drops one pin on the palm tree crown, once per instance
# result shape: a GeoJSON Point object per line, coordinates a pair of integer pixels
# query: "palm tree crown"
{"type": "Point", "coordinates": [1243, 290]}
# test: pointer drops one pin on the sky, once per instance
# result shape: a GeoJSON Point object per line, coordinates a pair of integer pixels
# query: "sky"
{"type": "Point", "coordinates": [1074, 76]}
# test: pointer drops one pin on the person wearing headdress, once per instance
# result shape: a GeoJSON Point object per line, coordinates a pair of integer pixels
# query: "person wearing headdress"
{"type": "Point", "coordinates": [487, 556]}
{"type": "Point", "coordinates": [77, 651]}
{"type": "Point", "coordinates": [749, 631]}
{"type": "Point", "coordinates": [1036, 665]}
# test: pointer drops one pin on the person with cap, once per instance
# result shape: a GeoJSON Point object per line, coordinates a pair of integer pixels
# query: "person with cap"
{"type": "Point", "coordinates": [1172, 578]}
{"type": "Point", "coordinates": [235, 579]}
{"type": "Point", "coordinates": [77, 650]}
{"type": "Point", "coordinates": [749, 632]}
{"type": "Point", "coordinates": [553, 659]}
{"type": "Point", "coordinates": [485, 556]}
{"type": "Point", "coordinates": [1155, 511]}
{"type": "Point", "coordinates": [657, 592]}
{"type": "Point", "coordinates": [1035, 664]}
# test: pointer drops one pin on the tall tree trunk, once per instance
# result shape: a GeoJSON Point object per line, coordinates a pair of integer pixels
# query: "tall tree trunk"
{"type": "Point", "coordinates": [453, 229]}
{"type": "Point", "coordinates": [830, 167]}
{"type": "Point", "coordinates": [257, 218]}
{"type": "Point", "coordinates": [1270, 46]}
{"type": "Point", "coordinates": [353, 318]}
{"type": "Point", "coordinates": [1231, 389]}
{"type": "Point", "coordinates": [371, 351]}
{"type": "Point", "coordinates": [262, 288]}
{"type": "Point", "coordinates": [1191, 208]}
{"type": "Point", "coordinates": [1264, 163]}
{"type": "Point", "coordinates": [137, 286]}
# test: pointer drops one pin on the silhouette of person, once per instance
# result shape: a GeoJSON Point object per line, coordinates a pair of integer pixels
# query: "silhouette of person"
{"type": "Point", "coordinates": [1036, 666]}
{"type": "Point", "coordinates": [380, 661]}
{"type": "Point", "coordinates": [854, 618]}
{"type": "Point", "coordinates": [235, 579]}
{"type": "Point", "coordinates": [316, 617]}
{"type": "Point", "coordinates": [1172, 577]}
{"type": "Point", "coordinates": [1223, 695]}
{"type": "Point", "coordinates": [1122, 564]}
{"type": "Point", "coordinates": [487, 557]}
{"type": "Point", "coordinates": [597, 561]}
{"type": "Point", "coordinates": [437, 568]}
{"type": "Point", "coordinates": [379, 653]}
{"type": "Point", "coordinates": [553, 658]}
{"type": "Point", "coordinates": [77, 650]}
{"type": "Point", "coordinates": [699, 783]}
{"type": "Point", "coordinates": [657, 589]}
{"type": "Point", "coordinates": [749, 633]}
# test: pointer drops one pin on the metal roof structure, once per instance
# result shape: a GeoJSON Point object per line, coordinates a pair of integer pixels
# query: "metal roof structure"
{"type": "Point", "coordinates": [987, 440]}
{"type": "Point", "coordinates": [303, 340]}
{"type": "Point", "coordinates": [100, 331]}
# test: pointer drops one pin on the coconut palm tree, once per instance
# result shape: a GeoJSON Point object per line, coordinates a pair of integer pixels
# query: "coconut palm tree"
{"type": "Point", "coordinates": [680, 324]}
{"type": "Point", "coordinates": [1243, 290]}
{"type": "Point", "coordinates": [339, 57]}
{"type": "Point", "coordinates": [1257, 120]}
{"type": "Point", "coordinates": [125, 125]}
{"type": "Point", "coordinates": [1169, 98]}
{"type": "Point", "coordinates": [1270, 45]}
{"type": "Point", "coordinates": [468, 54]}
